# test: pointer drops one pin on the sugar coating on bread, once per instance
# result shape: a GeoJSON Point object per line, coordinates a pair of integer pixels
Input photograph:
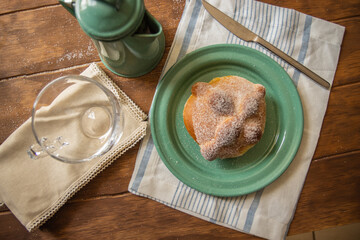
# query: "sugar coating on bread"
{"type": "Point", "coordinates": [226, 117]}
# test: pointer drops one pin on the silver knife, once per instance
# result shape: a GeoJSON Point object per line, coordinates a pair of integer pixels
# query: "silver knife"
{"type": "Point", "coordinates": [247, 35]}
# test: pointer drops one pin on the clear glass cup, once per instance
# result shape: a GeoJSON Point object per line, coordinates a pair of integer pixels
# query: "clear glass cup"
{"type": "Point", "coordinates": [75, 119]}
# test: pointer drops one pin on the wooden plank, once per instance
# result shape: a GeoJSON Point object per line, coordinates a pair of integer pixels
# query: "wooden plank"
{"type": "Point", "coordinates": [341, 126]}
{"type": "Point", "coordinates": [349, 64]}
{"type": "Point", "coordinates": [326, 9]}
{"type": "Point", "coordinates": [321, 9]}
{"type": "Point", "coordinates": [50, 38]}
{"type": "Point", "coordinates": [13, 6]}
{"type": "Point", "coordinates": [121, 217]}
{"type": "Point", "coordinates": [329, 198]}
{"type": "Point", "coordinates": [41, 40]}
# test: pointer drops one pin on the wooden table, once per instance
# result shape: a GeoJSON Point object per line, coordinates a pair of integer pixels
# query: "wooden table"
{"type": "Point", "coordinates": [40, 40]}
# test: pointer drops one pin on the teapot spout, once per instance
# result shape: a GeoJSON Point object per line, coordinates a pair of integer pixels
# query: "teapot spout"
{"type": "Point", "coordinates": [68, 5]}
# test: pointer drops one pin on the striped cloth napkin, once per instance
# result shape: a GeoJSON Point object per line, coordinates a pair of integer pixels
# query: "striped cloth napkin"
{"type": "Point", "coordinates": [314, 42]}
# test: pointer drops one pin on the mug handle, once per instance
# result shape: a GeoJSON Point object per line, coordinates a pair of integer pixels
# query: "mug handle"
{"type": "Point", "coordinates": [36, 151]}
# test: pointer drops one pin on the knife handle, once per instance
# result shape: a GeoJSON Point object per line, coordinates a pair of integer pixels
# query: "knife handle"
{"type": "Point", "coordinates": [293, 62]}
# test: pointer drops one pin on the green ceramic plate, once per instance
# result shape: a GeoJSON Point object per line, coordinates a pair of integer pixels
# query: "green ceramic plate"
{"type": "Point", "coordinates": [262, 164]}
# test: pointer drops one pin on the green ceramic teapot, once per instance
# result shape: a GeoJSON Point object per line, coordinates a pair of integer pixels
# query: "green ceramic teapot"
{"type": "Point", "coordinates": [129, 40]}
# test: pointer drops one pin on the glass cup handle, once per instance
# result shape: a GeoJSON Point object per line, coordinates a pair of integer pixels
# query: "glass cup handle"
{"type": "Point", "coordinates": [36, 151]}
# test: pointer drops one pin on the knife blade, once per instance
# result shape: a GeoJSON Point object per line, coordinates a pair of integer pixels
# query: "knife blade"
{"type": "Point", "coordinates": [242, 32]}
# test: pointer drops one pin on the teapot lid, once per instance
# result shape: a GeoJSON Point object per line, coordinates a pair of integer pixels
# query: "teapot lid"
{"type": "Point", "coordinates": [109, 19]}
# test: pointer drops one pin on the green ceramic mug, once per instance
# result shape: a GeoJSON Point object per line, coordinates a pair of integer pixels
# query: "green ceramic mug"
{"type": "Point", "coordinates": [129, 40]}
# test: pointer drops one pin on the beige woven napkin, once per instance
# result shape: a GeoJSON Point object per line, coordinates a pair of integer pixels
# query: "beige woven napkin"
{"type": "Point", "coordinates": [34, 190]}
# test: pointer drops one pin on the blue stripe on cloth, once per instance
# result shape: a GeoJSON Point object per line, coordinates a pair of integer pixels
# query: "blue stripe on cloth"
{"type": "Point", "coordinates": [282, 28]}
{"type": "Point", "coordinates": [258, 23]}
{"type": "Point", "coordinates": [214, 206]}
{"type": "Point", "coordinates": [190, 29]}
{"type": "Point", "coordinates": [182, 186]}
{"type": "Point", "coordinates": [238, 210]}
{"type": "Point", "coordinates": [273, 30]}
{"type": "Point", "coordinates": [197, 207]}
{"type": "Point", "coordinates": [207, 203]}
{"type": "Point", "coordinates": [232, 208]}
{"type": "Point", "coordinates": [188, 196]}
{"type": "Point", "coordinates": [283, 37]}
{"type": "Point", "coordinates": [191, 198]}
{"type": "Point", "coordinates": [238, 217]}
{"type": "Point", "coordinates": [304, 47]}
{"type": "Point", "coordinates": [262, 23]}
{"type": "Point", "coordinates": [293, 35]}
{"type": "Point", "coordinates": [249, 14]}
{"type": "Point", "coordinates": [195, 200]}
{"type": "Point", "coordinates": [185, 196]}
{"type": "Point", "coordinates": [235, 10]}
{"type": "Point", "coordinates": [177, 188]}
{"type": "Point", "coordinates": [226, 206]}
{"type": "Point", "coordinates": [266, 29]}
{"type": "Point", "coordinates": [250, 19]}
{"type": "Point", "coordinates": [254, 23]}
{"type": "Point", "coordinates": [289, 27]}
{"type": "Point", "coordinates": [289, 17]}
{"type": "Point", "coordinates": [209, 206]}
{"type": "Point", "coordinates": [183, 191]}
{"type": "Point", "coordinates": [213, 218]}
{"type": "Point", "coordinates": [241, 14]}
{"type": "Point", "coordinates": [216, 213]}
{"type": "Point", "coordinates": [237, 19]}
{"type": "Point", "coordinates": [240, 18]}
{"type": "Point", "coordinates": [143, 164]}
{"type": "Point", "coordinates": [261, 17]}
{"type": "Point", "coordinates": [227, 213]}
{"type": "Point", "coordinates": [251, 213]}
